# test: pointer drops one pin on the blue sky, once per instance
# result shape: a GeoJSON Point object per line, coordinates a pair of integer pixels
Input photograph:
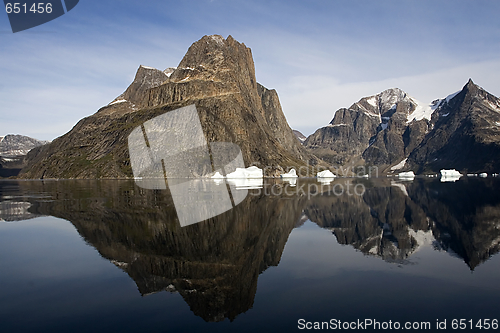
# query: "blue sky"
{"type": "Point", "coordinates": [318, 55]}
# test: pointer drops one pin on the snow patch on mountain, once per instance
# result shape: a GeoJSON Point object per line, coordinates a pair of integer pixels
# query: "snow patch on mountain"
{"type": "Point", "coordinates": [372, 101]}
{"type": "Point", "coordinates": [400, 165]}
{"type": "Point", "coordinates": [118, 101]}
{"type": "Point", "coordinates": [422, 111]}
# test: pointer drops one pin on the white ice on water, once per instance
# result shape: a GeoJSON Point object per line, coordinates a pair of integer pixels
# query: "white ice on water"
{"type": "Point", "coordinates": [325, 174]}
{"type": "Point", "coordinates": [251, 172]}
{"type": "Point", "coordinates": [451, 175]}
{"type": "Point", "coordinates": [407, 175]}
{"type": "Point", "coordinates": [217, 176]}
{"type": "Point", "coordinates": [291, 174]}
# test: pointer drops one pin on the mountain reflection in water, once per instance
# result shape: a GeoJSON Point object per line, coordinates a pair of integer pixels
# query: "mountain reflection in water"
{"type": "Point", "coordinates": [214, 265]}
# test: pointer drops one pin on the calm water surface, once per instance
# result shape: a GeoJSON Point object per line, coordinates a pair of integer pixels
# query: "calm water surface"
{"type": "Point", "coordinates": [108, 256]}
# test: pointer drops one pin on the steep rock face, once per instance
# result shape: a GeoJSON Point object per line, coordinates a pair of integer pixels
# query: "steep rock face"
{"type": "Point", "coordinates": [465, 134]}
{"type": "Point", "coordinates": [374, 131]}
{"type": "Point", "coordinates": [218, 76]}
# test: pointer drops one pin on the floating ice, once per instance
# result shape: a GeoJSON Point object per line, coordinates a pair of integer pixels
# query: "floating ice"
{"type": "Point", "coordinates": [483, 175]}
{"type": "Point", "coordinates": [450, 175]}
{"type": "Point", "coordinates": [407, 175]}
{"type": "Point", "coordinates": [291, 174]}
{"type": "Point", "coordinates": [217, 176]}
{"type": "Point", "coordinates": [325, 174]}
{"type": "Point", "coordinates": [251, 172]}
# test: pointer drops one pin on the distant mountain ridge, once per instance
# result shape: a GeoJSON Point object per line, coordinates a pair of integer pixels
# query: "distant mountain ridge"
{"type": "Point", "coordinates": [16, 145]}
{"type": "Point", "coordinates": [394, 131]}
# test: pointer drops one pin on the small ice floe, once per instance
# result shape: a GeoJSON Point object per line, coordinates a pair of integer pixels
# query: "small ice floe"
{"type": "Point", "coordinates": [450, 175]}
{"type": "Point", "coordinates": [406, 175]}
{"type": "Point", "coordinates": [495, 175]}
{"type": "Point", "coordinates": [217, 175]}
{"type": "Point", "coordinates": [483, 175]}
{"type": "Point", "coordinates": [290, 174]}
{"type": "Point", "coordinates": [251, 172]}
{"type": "Point", "coordinates": [325, 177]}
{"type": "Point", "coordinates": [325, 174]}
{"type": "Point", "coordinates": [472, 175]}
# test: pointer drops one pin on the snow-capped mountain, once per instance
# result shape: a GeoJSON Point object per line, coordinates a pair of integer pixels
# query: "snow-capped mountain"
{"type": "Point", "coordinates": [395, 131]}
{"type": "Point", "coordinates": [17, 145]}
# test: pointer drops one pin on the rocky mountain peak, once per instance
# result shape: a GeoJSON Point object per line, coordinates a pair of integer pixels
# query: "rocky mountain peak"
{"type": "Point", "coordinates": [213, 58]}
{"type": "Point", "coordinates": [17, 145]}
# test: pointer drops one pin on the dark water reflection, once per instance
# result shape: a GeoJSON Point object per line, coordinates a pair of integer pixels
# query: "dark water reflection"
{"type": "Point", "coordinates": [422, 250]}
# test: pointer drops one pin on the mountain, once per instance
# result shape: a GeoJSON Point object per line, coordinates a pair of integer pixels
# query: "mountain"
{"type": "Point", "coordinates": [371, 130]}
{"type": "Point", "coordinates": [465, 134]}
{"type": "Point", "coordinates": [17, 145]}
{"type": "Point", "coordinates": [300, 136]}
{"type": "Point", "coordinates": [217, 75]}
{"type": "Point", "coordinates": [394, 131]}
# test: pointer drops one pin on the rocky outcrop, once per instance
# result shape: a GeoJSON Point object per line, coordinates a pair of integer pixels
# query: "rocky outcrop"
{"type": "Point", "coordinates": [218, 76]}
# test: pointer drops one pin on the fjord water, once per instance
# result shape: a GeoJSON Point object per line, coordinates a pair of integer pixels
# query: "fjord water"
{"type": "Point", "coordinates": [102, 256]}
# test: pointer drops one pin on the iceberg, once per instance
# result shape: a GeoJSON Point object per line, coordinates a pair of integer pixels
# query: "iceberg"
{"type": "Point", "coordinates": [325, 174]}
{"type": "Point", "coordinates": [407, 175]}
{"type": "Point", "coordinates": [217, 176]}
{"type": "Point", "coordinates": [291, 174]}
{"type": "Point", "coordinates": [450, 175]}
{"type": "Point", "coordinates": [292, 181]}
{"type": "Point", "coordinates": [251, 172]}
